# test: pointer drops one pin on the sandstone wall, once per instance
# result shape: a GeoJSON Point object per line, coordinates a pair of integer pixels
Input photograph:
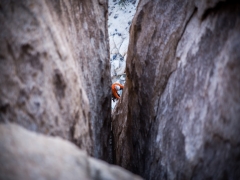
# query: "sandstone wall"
{"type": "Point", "coordinates": [54, 70]}
{"type": "Point", "coordinates": [49, 158]}
{"type": "Point", "coordinates": [179, 116]}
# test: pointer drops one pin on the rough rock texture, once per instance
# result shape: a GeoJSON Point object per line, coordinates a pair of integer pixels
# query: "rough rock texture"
{"type": "Point", "coordinates": [49, 158]}
{"type": "Point", "coordinates": [54, 69]}
{"type": "Point", "coordinates": [120, 15]}
{"type": "Point", "coordinates": [179, 116]}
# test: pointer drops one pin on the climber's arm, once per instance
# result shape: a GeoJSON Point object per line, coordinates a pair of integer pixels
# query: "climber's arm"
{"type": "Point", "coordinates": [115, 94]}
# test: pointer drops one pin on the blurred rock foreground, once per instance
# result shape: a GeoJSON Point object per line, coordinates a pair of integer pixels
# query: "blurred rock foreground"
{"type": "Point", "coordinates": [26, 155]}
{"type": "Point", "coordinates": [179, 114]}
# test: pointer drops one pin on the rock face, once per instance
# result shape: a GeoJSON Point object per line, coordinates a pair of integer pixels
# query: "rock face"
{"type": "Point", "coordinates": [120, 15]}
{"type": "Point", "coordinates": [119, 20]}
{"type": "Point", "coordinates": [49, 158]}
{"type": "Point", "coordinates": [54, 69]}
{"type": "Point", "coordinates": [179, 116]}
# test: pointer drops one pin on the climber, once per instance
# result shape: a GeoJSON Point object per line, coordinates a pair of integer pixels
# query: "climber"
{"type": "Point", "coordinates": [115, 88]}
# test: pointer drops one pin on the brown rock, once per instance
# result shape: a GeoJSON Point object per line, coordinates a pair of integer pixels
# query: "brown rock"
{"type": "Point", "coordinates": [54, 70]}
{"type": "Point", "coordinates": [180, 109]}
{"type": "Point", "coordinates": [31, 156]}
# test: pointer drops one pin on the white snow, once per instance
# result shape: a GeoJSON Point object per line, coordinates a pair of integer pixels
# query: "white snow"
{"type": "Point", "coordinates": [119, 20]}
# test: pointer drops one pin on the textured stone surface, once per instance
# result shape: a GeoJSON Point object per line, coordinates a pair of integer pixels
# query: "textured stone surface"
{"type": "Point", "coordinates": [54, 69]}
{"type": "Point", "coordinates": [179, 116]}
{"type": "Point", "coordinates": [118, 31]}
{"type": "Point", "coordinates": [30, 156]}
{"type": "Point", "coordinates": [120, 15]}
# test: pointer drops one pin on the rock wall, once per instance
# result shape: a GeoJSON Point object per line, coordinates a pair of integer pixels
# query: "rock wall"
{"type": "Point", "coordinates": [179, 114]}
{"type": "Point", "coordinates": [54, 70]}
{"type": "Point", "coordinates": [49, 158]}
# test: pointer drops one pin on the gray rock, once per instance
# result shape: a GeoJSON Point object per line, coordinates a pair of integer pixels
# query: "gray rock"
{"type": "Point", "coordinates": [54, 69]}
{"type": "Point", "coordinates": [31, 156]}
{"type": "Point", "coordinates": [178, 117]}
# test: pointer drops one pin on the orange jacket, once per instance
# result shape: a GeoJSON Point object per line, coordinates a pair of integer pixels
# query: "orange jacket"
{"type": "Point", "coordinates": [114, 91]}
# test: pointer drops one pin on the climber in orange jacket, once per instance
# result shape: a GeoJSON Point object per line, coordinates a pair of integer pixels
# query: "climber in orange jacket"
{"type": "Point", "coordinates": [115, 88]}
